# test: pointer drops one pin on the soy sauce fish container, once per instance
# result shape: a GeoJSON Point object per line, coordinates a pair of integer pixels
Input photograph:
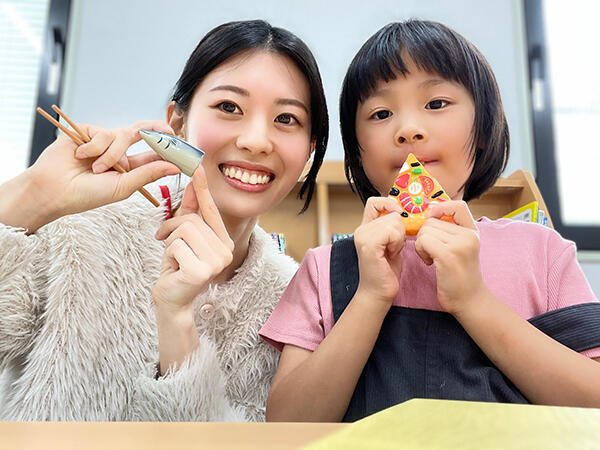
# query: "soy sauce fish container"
{"type": "Point", "coordinates": [175, 150]}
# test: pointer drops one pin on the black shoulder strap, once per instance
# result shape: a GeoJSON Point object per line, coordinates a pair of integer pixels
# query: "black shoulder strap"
{"type": "Point", "coordinates": [343, 274]}
{"type": "Point", "coordinates": [577, 326]}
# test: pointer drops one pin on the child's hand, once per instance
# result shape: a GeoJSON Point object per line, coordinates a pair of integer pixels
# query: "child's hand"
{"type": "Point", "coordinates": [454, 249]}
{"type": "Point", "coordinates": [72, 179]}
{"type": "Point", "coordinates": [198, 247]}
{"type": "Point", "coordinates": [379, 242]}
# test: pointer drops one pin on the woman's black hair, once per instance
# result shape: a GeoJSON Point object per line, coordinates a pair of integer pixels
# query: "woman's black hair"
{"type": "Point", "coordinates": [434, 48]}
{"type": "Point", "coordinates": [230, 39]}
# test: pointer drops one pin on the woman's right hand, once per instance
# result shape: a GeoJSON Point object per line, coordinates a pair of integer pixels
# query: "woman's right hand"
{"type": "Point", "coordinates": [198, 248]}
{"type": "Point", "coordinates": [68, 179]}
{"type": "Point", "coordinates": [379, 241]}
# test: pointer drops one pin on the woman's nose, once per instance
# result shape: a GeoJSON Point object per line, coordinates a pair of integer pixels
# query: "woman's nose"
{"type": "Point", "coordinates": [410, 134]}
{"type": "Point", "coordinates": [255, 138]}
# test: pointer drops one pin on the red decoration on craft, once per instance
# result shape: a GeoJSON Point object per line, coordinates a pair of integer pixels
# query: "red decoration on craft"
{"type": "Point", "coordinates": [166, 195]}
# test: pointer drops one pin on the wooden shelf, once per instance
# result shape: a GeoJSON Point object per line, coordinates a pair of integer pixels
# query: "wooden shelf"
{"type": "Point", "coordinates": [336, 209]}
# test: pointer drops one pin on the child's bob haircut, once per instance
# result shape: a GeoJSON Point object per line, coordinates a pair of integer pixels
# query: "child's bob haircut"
{"type": "Point", "coordinates": [434, 48]}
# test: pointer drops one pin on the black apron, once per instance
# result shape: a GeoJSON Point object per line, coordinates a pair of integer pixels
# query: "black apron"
{"type": "Point", "coordinates": [427, 354]}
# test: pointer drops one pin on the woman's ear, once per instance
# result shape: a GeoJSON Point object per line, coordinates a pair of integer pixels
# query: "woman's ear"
{"type": "Point", "coordinates": [313, 146]}
{"type": "Point", "coordinates": [176, 119]}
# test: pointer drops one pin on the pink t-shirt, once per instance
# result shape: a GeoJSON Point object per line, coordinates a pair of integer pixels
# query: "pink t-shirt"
{"type": "Point", "coordinates": [529, 267]}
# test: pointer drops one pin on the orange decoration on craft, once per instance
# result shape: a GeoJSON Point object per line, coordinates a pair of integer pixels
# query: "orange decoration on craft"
{"type": "Point", "coordinates": [416, 190]}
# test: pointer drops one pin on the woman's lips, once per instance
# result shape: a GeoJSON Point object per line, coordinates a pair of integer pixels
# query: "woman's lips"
{"type": "Point", "coordinates": [247, 177]}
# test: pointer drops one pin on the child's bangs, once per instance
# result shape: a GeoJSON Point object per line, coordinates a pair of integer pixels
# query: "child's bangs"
{"type": "Point", "coordinates": [383, 57]}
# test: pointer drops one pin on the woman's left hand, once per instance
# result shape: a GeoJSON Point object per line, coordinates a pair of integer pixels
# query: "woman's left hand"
{"type": "Point", "coordinates": [454, 249]}
{"type": "Point", "coordinates": [197, 247]}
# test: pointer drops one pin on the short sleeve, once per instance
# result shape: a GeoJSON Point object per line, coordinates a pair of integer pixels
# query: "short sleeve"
{"type": "Point", "coordinates": [297, 318]}
{"type": "Point", "coordinates": [567, 284]}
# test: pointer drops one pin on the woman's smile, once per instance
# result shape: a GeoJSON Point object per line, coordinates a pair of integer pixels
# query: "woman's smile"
{"type": "Point", "coordinates": [246, 177]}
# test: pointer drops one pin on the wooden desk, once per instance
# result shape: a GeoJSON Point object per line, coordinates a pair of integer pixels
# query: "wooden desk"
{"type": "Point", "coordinates": [415, 424]}
{"type": "Point", "coordinates": [155, 436]}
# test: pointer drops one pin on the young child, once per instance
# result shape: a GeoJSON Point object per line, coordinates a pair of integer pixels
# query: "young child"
{"type": "Point", "coordinates": [461, 311]}
{"type": "Point", "coordinates": [92, 325]}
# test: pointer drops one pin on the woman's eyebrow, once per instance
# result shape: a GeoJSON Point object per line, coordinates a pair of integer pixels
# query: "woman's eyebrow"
{"type": "Point", "coordinates": [231, 88]}
{"type": "Point", "coordinates": [292, 101]}
{"type": "Point", "coordinates": [245, 93]}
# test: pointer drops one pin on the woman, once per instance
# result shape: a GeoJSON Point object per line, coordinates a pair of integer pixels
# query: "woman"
{"type": "Point", "coordinates": [92, 325]}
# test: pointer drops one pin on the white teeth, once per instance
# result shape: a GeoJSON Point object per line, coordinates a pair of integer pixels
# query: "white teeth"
{"type": "Point", "coordinates": [245, 177]}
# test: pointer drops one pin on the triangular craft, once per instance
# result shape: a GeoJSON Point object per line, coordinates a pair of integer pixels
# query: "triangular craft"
{"type": "Point", "coordinates": [416, 190]}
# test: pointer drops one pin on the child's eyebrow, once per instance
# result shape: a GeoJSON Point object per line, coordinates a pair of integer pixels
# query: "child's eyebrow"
{"type": "Point", "coordinates": [431, 82]}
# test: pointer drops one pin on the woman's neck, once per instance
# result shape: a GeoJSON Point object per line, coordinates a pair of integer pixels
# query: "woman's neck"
{"type": "Point", "coordinates": [239, 231]}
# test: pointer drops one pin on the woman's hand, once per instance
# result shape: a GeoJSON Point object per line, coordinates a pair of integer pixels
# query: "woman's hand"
{"type": "Point", "coordinates": [454, 249]}
{"type": "Point", "coordinates": [379, 241]}
{"type": "Point", "coordinates": [68, 179]}
{"type": "Point", "coordinates": [198, 247]}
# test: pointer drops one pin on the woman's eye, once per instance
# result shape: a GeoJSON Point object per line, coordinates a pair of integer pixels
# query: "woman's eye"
{"type": "Point", "coordinates": [437, 104]}
{"type": "Point", "coordinates": [286, 119]}
{"type": "Point", "coordinates": [228, 107]}
{"type": "Point", "coordinates": [381, 115]}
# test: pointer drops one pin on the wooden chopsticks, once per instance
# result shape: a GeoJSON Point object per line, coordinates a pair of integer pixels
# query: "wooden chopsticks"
{"type": "Point", "coordinates": [81, 138]}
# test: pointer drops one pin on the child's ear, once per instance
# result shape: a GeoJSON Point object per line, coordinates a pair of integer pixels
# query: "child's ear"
{"type": "Point", "coordinates": [176, 119]}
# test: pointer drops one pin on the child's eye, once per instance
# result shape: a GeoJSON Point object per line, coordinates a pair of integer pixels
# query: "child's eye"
{"type": "Point", "coordinates": [286, 119]}
{"type": "Point", "coordinates": [381, 115]}
{"type": "Point", "coordinates": [229, 107]}
{"type": "Point", "coordinates": [437, 104]}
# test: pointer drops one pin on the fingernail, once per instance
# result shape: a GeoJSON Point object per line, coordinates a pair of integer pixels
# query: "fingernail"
{"type": "Point", "coordinates": [99, 168]}
{"type": "Point", "coordinates": [80, 153]}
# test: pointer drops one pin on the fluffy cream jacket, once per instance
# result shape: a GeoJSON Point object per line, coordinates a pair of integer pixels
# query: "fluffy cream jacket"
{"type": "Point", "coordinates": [78, 338]}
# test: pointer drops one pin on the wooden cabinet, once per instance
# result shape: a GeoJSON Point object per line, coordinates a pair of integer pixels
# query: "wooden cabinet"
{"type": "Point", "coordinates": [336, 209]}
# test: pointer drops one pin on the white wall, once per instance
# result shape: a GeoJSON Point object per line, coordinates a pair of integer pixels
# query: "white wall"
{"type": "Point", "coordinates": [124, 57]}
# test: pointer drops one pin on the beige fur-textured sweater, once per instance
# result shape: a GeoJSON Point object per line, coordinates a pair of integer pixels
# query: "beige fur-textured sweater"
{"type": "Point", "coordinates": [78, 338]}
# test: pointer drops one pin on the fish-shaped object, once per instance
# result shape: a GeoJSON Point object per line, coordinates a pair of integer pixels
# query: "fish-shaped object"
{"type": "Point", "coordinates": [175, 150]}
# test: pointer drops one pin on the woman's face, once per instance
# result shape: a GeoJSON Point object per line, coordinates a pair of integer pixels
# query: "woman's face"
{"type": "Point", "coordinates": [251, 117]}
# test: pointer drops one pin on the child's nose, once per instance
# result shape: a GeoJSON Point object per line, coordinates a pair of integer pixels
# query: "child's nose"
{"type": "Point", "coordinates": [254, 137]}
{"type": "Point", "coordinates": [410, 135]}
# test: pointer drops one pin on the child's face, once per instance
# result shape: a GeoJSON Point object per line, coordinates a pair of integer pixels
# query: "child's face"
{"type": "Point", "coordinates": [251, 115]}
{"type": "Point", "coordinates": [422, 114]}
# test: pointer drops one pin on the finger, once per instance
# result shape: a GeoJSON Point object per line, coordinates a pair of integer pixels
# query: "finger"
{"type": "Point", "coordinates": [124, 163]}
{"type": "Point", "coordinates": [122, 141]}
{"type": "Point", "coordinates": [376, 206]}
{"type": "Point", "coordinates": [100, 140]}
{"type": "Point", "coordinates": [180, 255]}
{"type": "Point", "coordinates": [156, 125]}
{"type": "Point", "coordinates": [436, 227]}
{"type": "Point", "coordinates": [139, 159]}
{"type": "Point", "coordinates": [207, 207]}
{"type": "Point", "coordinates": [457, 210]}
{"type": "Point", "coordinates": [205, 244]}
{"type": "Point", "coordinates": [427, 247]}
{"type": "Point", "coordinates": [396, 233]}
{"type": "Point", "coordinates": [189, 202]}
{"type": "Point", "coordinates": [129, 182]}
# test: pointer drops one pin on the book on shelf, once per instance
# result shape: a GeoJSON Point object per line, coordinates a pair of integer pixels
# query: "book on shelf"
{"type": "Point", "coordinates": [529, 213]}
